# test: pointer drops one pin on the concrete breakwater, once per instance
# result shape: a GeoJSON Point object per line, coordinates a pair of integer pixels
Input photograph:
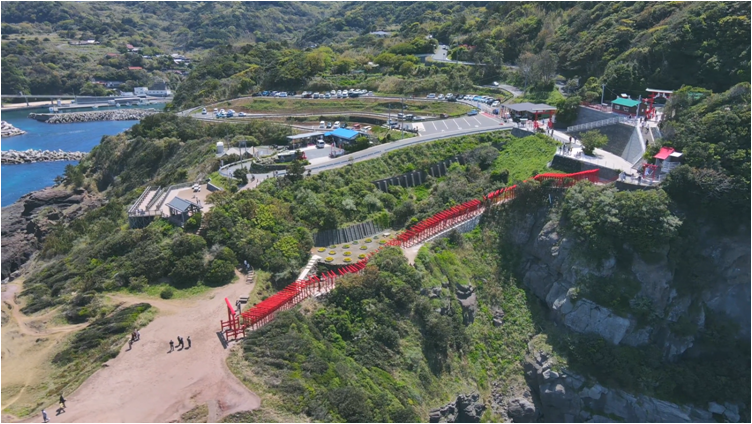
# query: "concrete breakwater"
{"type": "Point", "coordinates": [105, 115]}
{"type": "Point", "coordinates": [32, 156]}
{"type": "Point", "coordinates": [9, 130]}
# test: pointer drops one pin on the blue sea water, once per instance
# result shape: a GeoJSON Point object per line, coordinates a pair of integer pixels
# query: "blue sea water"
{"type": "Point", "coordinates": [18, 180]}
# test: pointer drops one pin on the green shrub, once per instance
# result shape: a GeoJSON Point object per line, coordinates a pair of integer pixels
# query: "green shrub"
{"type": "Point", "coordinates": [167, 293]}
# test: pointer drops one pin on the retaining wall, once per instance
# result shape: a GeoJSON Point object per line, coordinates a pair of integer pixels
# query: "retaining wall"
{"type": "Point", "coordinates": [345, 235]}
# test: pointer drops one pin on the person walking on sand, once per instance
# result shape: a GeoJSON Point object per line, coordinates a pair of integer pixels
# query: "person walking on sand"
{"type": "Point", "coordinates": [130, 344]}
{"type": "Point", "coordinates": [62, 401]}
{"type": "Point", "coordinates": [138, 335]}
{"type": "Point", "coordinates": [44, 416]}
{"type": "Point", "coordinates": [189, 342]}
{"type": "Point", "coordinates": [172, 346]}
{"type": "Point", "coordinates": [180, 342]}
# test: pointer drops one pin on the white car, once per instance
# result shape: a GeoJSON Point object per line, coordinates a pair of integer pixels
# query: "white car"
{"type": "Point", "coordinates": [241, 114]}
{"type": "Point", "coordinates": [336, 125]}
{"type": "Point", "coordinates": [339, 94]}
{"type": "Point", "coordinates": [203, 111]}
{"type": "Point", "coordinates": [496, 84]}
{"type": "Point", "coordinates": [216, 110]}
{"type": "Point", "coordinates": [320, 143]}
{"type": "Point", "coordinates": [322, 124]}
{"type": "Point", "coordinates": [441, 97]}
{"type": "Point", "coordinates": [494, 104]}
{"type": "Point", "coordinates": [431, 96]}
{"type": "Point", "coordinates": [333, 93]}
{"type": "Point", "coordinates": [283, 94]}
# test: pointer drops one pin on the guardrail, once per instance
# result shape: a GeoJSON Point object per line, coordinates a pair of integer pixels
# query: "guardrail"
{"type": "Point", "coordinates": [264, 312]}
{"type": "Point", "coordinates": [139, 200]}
{"type": "Point", "coordinates": [598, 124]}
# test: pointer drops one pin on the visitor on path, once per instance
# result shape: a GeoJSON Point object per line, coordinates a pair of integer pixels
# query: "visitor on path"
{"type": "Point", "coordinates": [189, 342]}
{"type": "Point", "coordinates": [133, 336]}
{"type": "Point", "coordinates": [44, 416]}
{"type": "Point", "coordinates": [138, 335]}
{"type": "Point", "coordinates": [172, 346]}
{"type": "Point", "coordinates": [180, 342]}
{"type": "Point", "coordinates": [62, 401]}
{"type": "Point", "coordinates": [130, 344]}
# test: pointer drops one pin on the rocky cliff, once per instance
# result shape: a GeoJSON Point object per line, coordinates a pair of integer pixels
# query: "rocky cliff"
{"type": "Point", "coordinates": [563, 396]}
{"type": "Point", "coordinates": [658, 309]}
{"type": "Point", "coordinates": [27, 222]}
{"type": "Point", "coordinates": [555, 272]}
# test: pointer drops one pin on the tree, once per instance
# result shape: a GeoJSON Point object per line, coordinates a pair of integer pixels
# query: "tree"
{"type": "Point", "coordinates": [592, 140]}
{"type": "Point", "coordinates": [241, 175]}
{"type": "Point", "coordinates": [295, 171]}
{"type": "Point", "coordinates": [568, 109]}
{"type": "Point", "coordinates": [220, 272]}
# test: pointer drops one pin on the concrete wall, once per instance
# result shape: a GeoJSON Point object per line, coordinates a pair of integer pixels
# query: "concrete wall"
{"type": "Point", "coordinates": [587, 115]}
{"type": "Point", "coordinates": [623, 140]}
{"type": "Point", "coordinates": [416, 178]}
{"type": "Point", "coordinates": [345, 235]}
{"type": "Point", "coordinates": [572, 165]}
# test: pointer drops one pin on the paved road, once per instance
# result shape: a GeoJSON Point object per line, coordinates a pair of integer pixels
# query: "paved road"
{"type": "Point", "coordinates": [485, 124]}
{"type": "Point", "coordinates": [441, 55]}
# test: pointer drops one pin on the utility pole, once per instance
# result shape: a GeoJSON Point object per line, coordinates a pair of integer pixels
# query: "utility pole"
{"type": "Point", "coordinates": [603, 91]}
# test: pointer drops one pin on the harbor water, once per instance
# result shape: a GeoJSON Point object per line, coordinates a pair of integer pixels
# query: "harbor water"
{"type": "Point", "coordinates": [18, 180]}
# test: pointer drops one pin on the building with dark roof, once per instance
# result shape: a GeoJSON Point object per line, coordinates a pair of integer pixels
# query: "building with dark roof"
{"type": "Point", "coordinates": [181, 210]}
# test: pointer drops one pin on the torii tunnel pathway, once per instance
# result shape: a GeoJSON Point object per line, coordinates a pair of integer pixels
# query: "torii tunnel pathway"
{"type": "Point", "coordinates": [264, 312]}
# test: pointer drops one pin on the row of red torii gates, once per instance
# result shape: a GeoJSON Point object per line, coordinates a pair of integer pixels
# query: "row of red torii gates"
{"type": "Point", "coordinates": [264, 312]}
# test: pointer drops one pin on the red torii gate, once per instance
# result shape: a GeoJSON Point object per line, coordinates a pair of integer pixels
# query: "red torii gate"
{"type": "Point", "coordinates": [265, 311]}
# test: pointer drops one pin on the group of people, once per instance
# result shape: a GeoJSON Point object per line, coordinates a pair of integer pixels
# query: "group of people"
{"type": "Point", "coordinates": [180, 344]}
{"type": "Point", "coordinates": [60, 410]}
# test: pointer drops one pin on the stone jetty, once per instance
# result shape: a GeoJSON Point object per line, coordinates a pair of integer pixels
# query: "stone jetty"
{"type": "Point", "coordinates": [32, 156]}
{"type": "Point", "coordinates": [105, 115]}
{"type": "Point", "coordinates": [9, 130]}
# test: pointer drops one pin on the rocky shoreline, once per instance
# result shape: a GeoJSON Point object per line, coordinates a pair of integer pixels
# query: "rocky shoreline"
{"type": "Point", "coordinates": [8, 130]}
{"type": "Point", "coordinates": [105, 115]}
{"type": "Point", "coordinates": [32, 156]}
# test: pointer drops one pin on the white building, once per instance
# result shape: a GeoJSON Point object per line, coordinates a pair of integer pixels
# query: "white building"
{"type": "Point", "coordinates": [159, 89]}
{"type": "Point", "coordinates": [140, 91]}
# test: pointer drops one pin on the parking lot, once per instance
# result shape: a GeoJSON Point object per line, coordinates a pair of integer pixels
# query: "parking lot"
{"type": "Point", "coordinates": [455, 124]}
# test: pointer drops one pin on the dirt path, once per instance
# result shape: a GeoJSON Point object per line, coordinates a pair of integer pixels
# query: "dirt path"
{"type": "Point", "coordinates": [28, 343]}
{"type": "Point", "coordinates": [148, 384]}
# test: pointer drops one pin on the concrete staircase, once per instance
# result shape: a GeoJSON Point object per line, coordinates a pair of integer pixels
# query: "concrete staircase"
{"type": "Point", "coordinates": [309, 266]}
{"type": "Point", "coordinates": [597, 124]}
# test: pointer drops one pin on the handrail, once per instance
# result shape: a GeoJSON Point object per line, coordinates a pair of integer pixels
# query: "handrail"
{"type": "Point", "coordinates": [140, 199]}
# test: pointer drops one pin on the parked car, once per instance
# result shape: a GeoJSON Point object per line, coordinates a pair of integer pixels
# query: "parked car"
{"type": "Point", "coordinates": [242, 114]}
{"type": "Point", "coordinates": [283, 94]}
{"type": "Point", "coordinates": [441, 97]}
{"type": "Point", "coordinates": [496, 84]}
{"type": "Point", "coordinates": [431, 96]}
{"type": "Point", "coordinates": [203, 111]}
{"type": "Point", "coordinates": [419, 118]}
{"type": "Point", "coordinates": [333, 93]}
{"type": "Point", "coordinates": [328, 125]}
{"type": "Point", "coordinates": [495, 103]}
{"type": "Point", "coordinates": [472, 112]}
{"type": "Point", "coordinates": [327, 96]}
{"type": "Point", "coordinates": [320, 143]}
{"type": "Point", "coordinates": [322, 124]}
{"type": "Point", "coordinates": [265, 93]}
{"type": "Point", "coordinates": [336, 125]}
{"type": "Point", "coordinates": [496, 111]}
{"type": "Point", "coordinates": [255, 94]}
{"type": "Point", "coordinates": [370, 93]}
{"type": "Point", "coordinates": [316, 95]}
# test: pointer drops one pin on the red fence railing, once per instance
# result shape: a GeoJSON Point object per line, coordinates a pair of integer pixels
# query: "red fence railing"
{"type": "Point", "coordinates": [265, 311]}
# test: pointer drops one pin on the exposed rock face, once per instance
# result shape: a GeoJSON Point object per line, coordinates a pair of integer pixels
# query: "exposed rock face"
{"type": "Point", "coordinates": [105, 115]}
{"type": "Point", "coordinates": [466, 409]}
{"type": "Point", "coordinates": [26, 222]}
{"type": "Point", "coordinates": [469, 302]}
{"type": "Point", "coordinates": [8, 130]}
{"type": "Point", "coordinates": [32, 156]}
{"type": "Point", "coordinates": [564, 397]}
{"type": "Point", "coordinates": [552, 272]}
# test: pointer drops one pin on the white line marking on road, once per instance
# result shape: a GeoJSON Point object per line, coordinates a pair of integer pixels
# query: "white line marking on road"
{"type": "Point", "coordinates": [445, 124]}
{"type": "Point", "coordinates": [458, 125]}
{"type": "Point", "coordinates": [434, 126]}
{"type": "Point", "coordinates": [476, 120]}
{"type": "Point", "coordinates": [466, 121]}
